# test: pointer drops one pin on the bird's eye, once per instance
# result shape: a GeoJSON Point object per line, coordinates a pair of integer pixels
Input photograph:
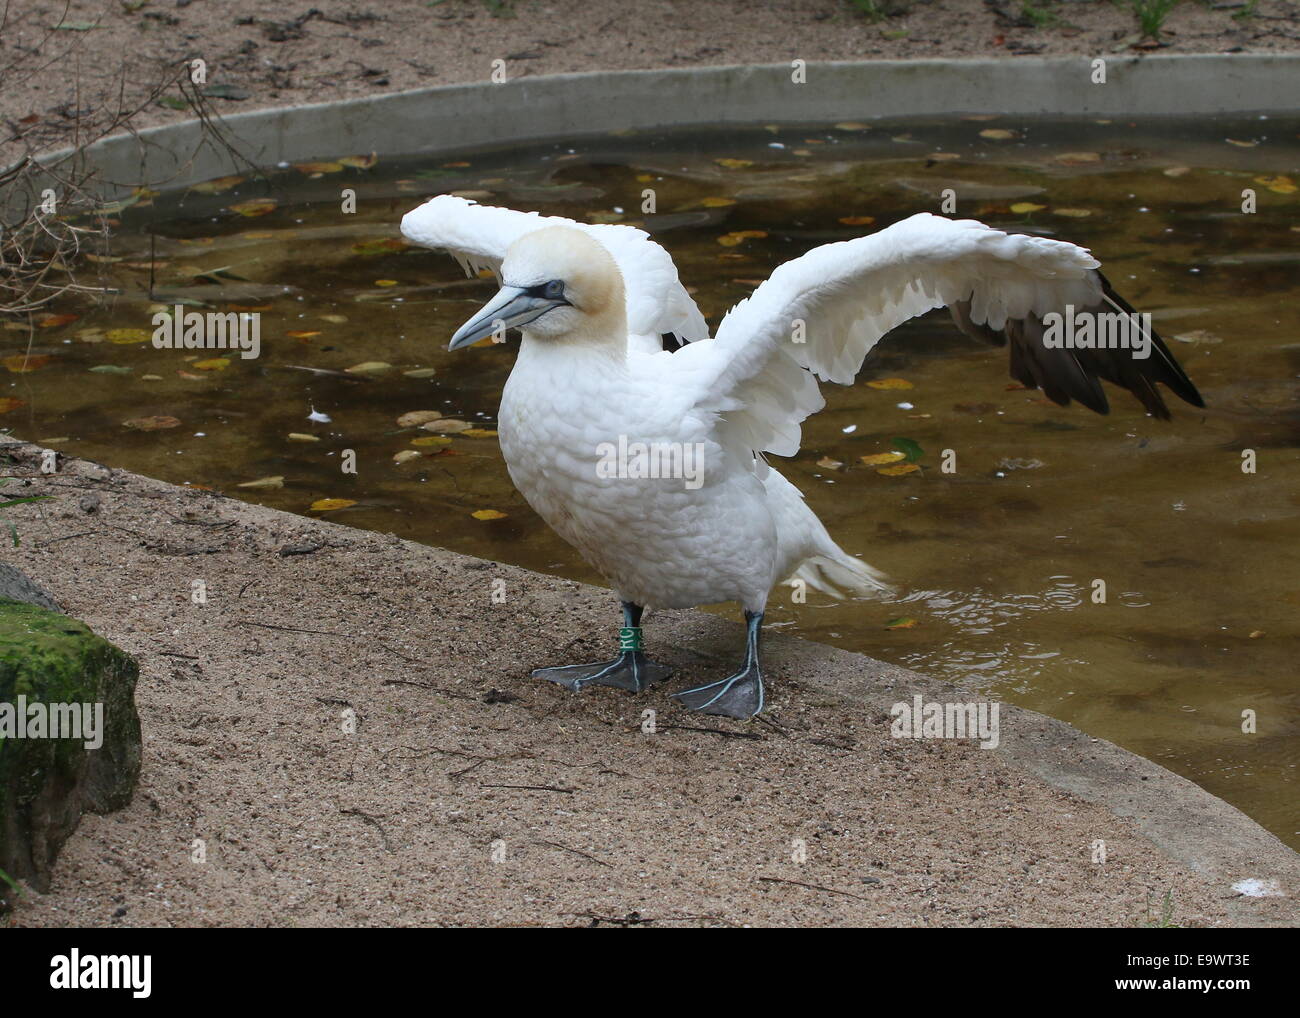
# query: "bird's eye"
{"type": "Point", "coordinates": [553, 290]}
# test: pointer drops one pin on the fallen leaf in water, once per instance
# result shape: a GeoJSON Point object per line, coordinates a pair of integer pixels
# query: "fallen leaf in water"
{"type": "Point", "coordinates": [428, 441]}
{"type": "Point", "coordinates": [21, 364]}
{"type": "Point", "coordinates": [1241, 144]}
{"type": "Point", "coordinates": [334, 319]}
{"type": "Point", "coordinates": [1278, 185]}
{"type": "Point", "coordinates": [899, 470]}
{"type": "Point", "coordinates": [110, 369]}
{"type": "Point", "coordinates": [717, 203]}
{"type": "Point", "coordinates": [302, 333]}
{"type": "Point", "coordinates": [420, 373]}
{"type": "Point", "coordinates": [212, 364]}
{"type": "Point", "coordinates": [298, 436]}
{"type": "Point", "coordinates": [460, 165]}
{"type": "Point", "coordinates": [385, 282]}
{"type": "Point", "coordinates": [151, 423]}
{"type": "Point", "coordinates": [151, 378]}
{"type": "Point", "coordinates": [276, 481]}
{"type": "Point", "coordinates": [908, 447]}
{"type": "Point", "coordinates": [8, 403]}
{"type": "Point", "coordinates": [325, 505]}
{"type": "Point", "coordinates": [1078, 158]}
{"type": "Point", "coordinates": [361, 162]}
{"type": "Point", "coordinates": [1177, 171]}
{"type": "Point", "coordinates": [851, 125]}
{"type": "Point", "coordinates": [95, 335]}
{"type": "Point", "coordinates": [368, 368]}
{"type": "Point", "coordinates": [102, 259]}
{"type": "Point", "coordinates": [190, 375]}
{"type": "Point", "coordinates": [890, 383]}
{"type": "Point", "coordinates": [1256, 634]}
{"type": "Point", "coordinates": [943, 157]}
{"type": "Point", "coordinates": [406, 455]}
{"type": "Point", "coordinates": [738, 236]}
{"type": "Point", "coordinates": [1021, 207]}
{"type": "Point", "coordinates": [826, 463]}
{"type": "Point", "coordinates": [124, 336]}
{"type": "Point", "coordinates": [250, 209]}
{"type": "Point", "coordinates": [997, 134]}
{"type": "Point", "coordinates": [318, 167]}
{"type": "Point", "coordinates": [384, 246]}
{"type": "Point", "coordinates": [55, 321]}
{"type": "Point", "coordinates": [900, 623]}
{"type": "Point", "coordinates": [857, 220]}
{"type": "Point", "coordinates": [478, 433]}
{"type": "Point", "coordinates": [414, 418]}
{"type": "Point", "coordinates": [880, 458]}
{"type": "Point", "coordinates": [450, 426]}
{"type": "Point", "coordinates": [734, 164]}
{"type": "Point", "coordinates": [217, 185]}
{"type": "Point", "coordinates": [487, 514]}
{"type": "Point", "coordinates": [1072, 213]}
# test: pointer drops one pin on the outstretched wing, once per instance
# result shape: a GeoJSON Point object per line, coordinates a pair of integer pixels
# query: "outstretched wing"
{"type": "Point", "coordinates": [478, 236]}
{"type": "Point", "coordinates": [822, 313]}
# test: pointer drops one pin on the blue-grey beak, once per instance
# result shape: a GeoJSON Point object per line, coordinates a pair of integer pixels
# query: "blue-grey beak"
{"type": "Point", "coordinates": [512, 307]}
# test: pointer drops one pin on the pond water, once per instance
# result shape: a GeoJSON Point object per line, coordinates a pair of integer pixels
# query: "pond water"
{"type": "Point", "coordinates": [995, 563]}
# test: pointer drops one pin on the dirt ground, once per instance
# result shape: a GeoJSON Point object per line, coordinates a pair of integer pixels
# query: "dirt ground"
{"type": "Point", "coordinates": [55, 83]}
{"type": "Point", "coordinates": [470, 794]}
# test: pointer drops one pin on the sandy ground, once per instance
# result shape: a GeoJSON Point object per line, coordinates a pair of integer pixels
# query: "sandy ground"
{"type": "Point", "coordinates": [58, 81]}
{"type": "Point", "coordinates": [457, 753]}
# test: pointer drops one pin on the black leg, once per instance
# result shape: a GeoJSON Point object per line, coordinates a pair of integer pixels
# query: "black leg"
{"type": "Point", "coordinates": [631, 670]}
{"type": "Point", "coordinates": [739, 695]}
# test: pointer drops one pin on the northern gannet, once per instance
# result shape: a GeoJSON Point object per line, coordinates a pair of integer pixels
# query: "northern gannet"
{"type": "Point", "coordinates": [593, 304]}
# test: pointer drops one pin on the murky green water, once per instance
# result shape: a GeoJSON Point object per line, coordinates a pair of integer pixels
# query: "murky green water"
{"type": "Point", "coordinates": [996, 561]}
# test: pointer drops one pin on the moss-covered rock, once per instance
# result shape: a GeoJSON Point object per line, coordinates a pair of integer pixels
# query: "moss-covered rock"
{"type": "Point", "coordinates": [47, 783]}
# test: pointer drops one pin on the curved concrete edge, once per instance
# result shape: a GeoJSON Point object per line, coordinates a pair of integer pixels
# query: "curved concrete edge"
{"type": "Point", "coordinates": [1182, 819]}
{"type": "Point", "coordinates": [449, 118]}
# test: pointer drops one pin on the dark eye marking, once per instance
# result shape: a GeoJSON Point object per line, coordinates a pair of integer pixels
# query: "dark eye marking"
{"type": "Point", "coordinates": [552, 290]}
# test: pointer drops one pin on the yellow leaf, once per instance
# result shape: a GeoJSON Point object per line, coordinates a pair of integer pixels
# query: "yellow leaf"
{"type": "Point", "coordinates": [368, 368]}
{"type": "Point", "coordinates": [997, 134]}
{"type": "Point", "coordinates": [890, 383]}
{"type": "Point", "coordinates": [479, 433]}
{"type": "Point", "coordinates": [249, 209]}
{"type": "Point", "coordinates": [8, 403]}
{"type": "Point", "coordinates": [385, 282]}
{"type": "Point", "coordinates": [298, 436]}
{"type": "Point", "coordinates": [431, 440]}
{"type": "Point", "coordinates": [420, 372]}
{"type": "Point", "coordinates": [1241, 144]}
{"type": "Point", "coordinates": [487, 514]}
{"type": "Point", "coordinates": [361, 162]}
{"type": "Point", "coordinates": [826, 463]}
{"type": "Point", "coordinates": [276, 481]}
{"type": "Point", "coordinates": [216, 185]}
{"type": "Point", "coordinates": [1078, 158]}
{"type": "Point", "coordinates": [21, 364]}
{"type": "Point", "coordinates": [446, 427]}
{"type": "Point", "coordinates": [325, 505]}
{"type": "Point", "coordinates": [857, 220]}
{"type": "Point", "coordinates": [1278, 185]}
{"type": "Point", "coordinates": [318, 167]}
{"type": "Point", "coordinates": [415, 418]}
{"type": "Point", "coordinates": [1022, 207]}
{"type": "Point", "coordinates": [899, 470]}
{"type": "Point", "coordinates": [903, 623]}
{"type": "Point", "coordinates": [717, 203]}
{"type": "Point", "coordinates": [405, 455]}
{"type": "Point", "coordinates": [212, 364]}
{"type": "Point", "coordinates": [850, 125]}
{"type": "Point", "coordinates": [880, 458]}
{"type": "Point", "coordinates": [302, 333]}
{"type": "Point", "coordinates": [125, 336]}
{"type": "Point", "coordinates": [734, 164]}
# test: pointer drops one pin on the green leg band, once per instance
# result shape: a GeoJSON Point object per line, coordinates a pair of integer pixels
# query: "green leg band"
{"type": "Point", "coordinates": [629, 638]}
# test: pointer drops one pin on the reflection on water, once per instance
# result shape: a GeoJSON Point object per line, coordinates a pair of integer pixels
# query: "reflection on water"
{"type": "Point", "coordinates": [997, 565]}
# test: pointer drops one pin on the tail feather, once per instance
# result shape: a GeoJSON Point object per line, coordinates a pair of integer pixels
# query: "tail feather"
{"type": "Point", "coordinates": [840, 576]}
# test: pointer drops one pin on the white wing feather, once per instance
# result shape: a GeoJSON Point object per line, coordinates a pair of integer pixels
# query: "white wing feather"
{"type": "Point", "coordinates": [478, 236]}
{"type": "Point", "coordinates": [847, 295]}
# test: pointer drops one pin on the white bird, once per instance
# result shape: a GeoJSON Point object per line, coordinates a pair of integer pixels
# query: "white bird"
{"type": "Point", "coordinates": [652, 463]}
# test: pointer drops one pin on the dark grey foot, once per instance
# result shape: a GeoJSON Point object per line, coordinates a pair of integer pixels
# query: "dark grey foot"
{"type": "Point", "coordinates": [738, 696]}
{"type": "Point", "coordinates": [631, 670]}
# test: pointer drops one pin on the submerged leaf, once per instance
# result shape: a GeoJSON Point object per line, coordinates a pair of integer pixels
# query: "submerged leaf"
{"type": "Point", "coordinates": [487, 514]}
{"type": "Point", "coordinates": [277, 481]}
{"type": "Point", "coordinates": [8, 403]}
{"type": "Point", "coordinates": [151, 423]}
{"type": "Point", "coordinates": [255, 207]}
{"type": "Point", "coordinates": [325, 505]}
{"type": "Point", "coordinates": [878, 458]}
{"type": "Point", "coordinates": [21, 364]}
{"type": "Point", "coordinates": [414, 418]}
{"type": "Point", "coordinates": [899, 470]}
{"type": "Point", "coordinates": [901, 623]}
{"type": "Point", "coordinates": [890, 383]}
